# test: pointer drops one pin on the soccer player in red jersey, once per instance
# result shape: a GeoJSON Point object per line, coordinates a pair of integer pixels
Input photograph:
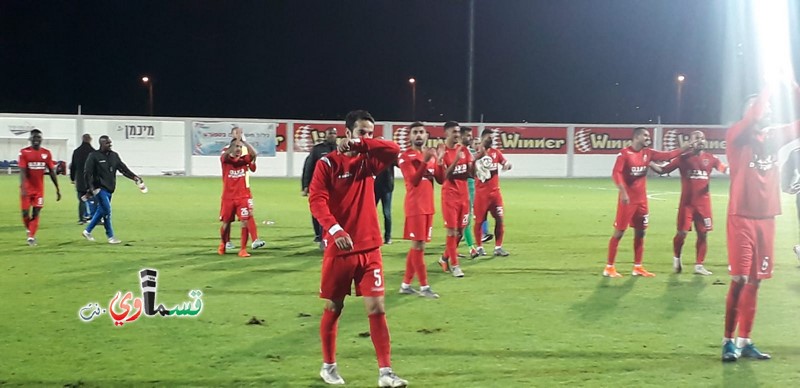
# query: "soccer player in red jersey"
{"type": "Point", "coordinates": [453, 167]}
{"type": "Point", "coordinates": [236, 199]}
{"type": "Point", "coordinates": [695, 202]}
{"type": "Point", "coordinates": [237, 134]}
{"type": "Point", "coordinates": [33, 162]}
{"type": "Point", "coordinates": [752, 150]}
{"type": "Point", "coordinates": [342, 198]}
{"type": "Point", "coordinates": [487, 192]}
{"type": "Point", "coordinates": [630, 174]}
{"type": "Point", "coordinates": [418, 165]}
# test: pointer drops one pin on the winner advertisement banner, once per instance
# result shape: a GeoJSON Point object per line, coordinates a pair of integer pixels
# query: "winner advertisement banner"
{"type": "Point", "coordinates": [209, 138]}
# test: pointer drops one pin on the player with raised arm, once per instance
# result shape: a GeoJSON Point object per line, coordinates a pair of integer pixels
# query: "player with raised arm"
{"type": "Point", "coordinates": [488, 198]}
{"type": "Point", "coordinates": [630, 177]}
{"type": "Point", "coordinates": [752, 150]}
{"type": "Point", "coordinates": [342, 198]}
{"type": "Point", "coordinates": [418, 164]}
{"type": "Point", "coordinates": [695, 204]}
{"type": "Point", "coordinates": [236, 200]}
{"type": "Point", "coordinates": [34, 162]}
{"type": "Point", "coordinates": [453, 167]}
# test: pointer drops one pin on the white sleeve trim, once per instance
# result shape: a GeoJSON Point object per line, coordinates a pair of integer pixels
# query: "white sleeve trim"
{"type": "Point", "coordinates": [334, 229]}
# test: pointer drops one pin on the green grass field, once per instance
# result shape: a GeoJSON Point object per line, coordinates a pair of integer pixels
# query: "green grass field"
{"type": "Point", "coordinates": [542, 317]}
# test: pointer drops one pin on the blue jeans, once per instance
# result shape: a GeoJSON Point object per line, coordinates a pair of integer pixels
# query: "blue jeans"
{"type": "Point", "coordinates": [103, 210]}
{"type": "Point", "coordinates": [85, 208]}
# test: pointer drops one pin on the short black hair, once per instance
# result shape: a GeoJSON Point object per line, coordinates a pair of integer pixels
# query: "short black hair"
{"type": "Point", "coordinates": [357, 115]}
{"type": "Point", "coordinates": [637, 130]}
{"type": "Point", "coordinates": [36, 131]}
{"type": "Point", "coordinates": [485, 132]}
{"type": "Point", "coordinates": [104, 137]}
{"type": "Point", "coordinates": [416, 124]}
{"type": "Point", "coordinates": [465, 130]}
{"type": "Point", "coordinates": [331, 129]}
{"type": "Point", "coordinates": [450, 124]}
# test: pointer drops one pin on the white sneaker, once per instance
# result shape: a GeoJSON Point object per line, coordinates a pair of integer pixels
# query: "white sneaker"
{"type": "Point", "coordinates": [229, 247]}
{"type": "Point", "coordinates": [87, 235]}
{"type": "Point", "coordinates": [677, 265]}
{"type": "Point", "coordinates": [259, 243]}
{"type": "Point", "coordinates": [31, 241]}
{"type": "Point", "coordinates": [700, 270]}
{"type": "Point", "coordinates": [330, 375]}
{"type": "Point", "coordinates": [389, 379]}
{"type": "Point", "coordinates": [457, 272]}
{"type": "Point", "coordinates": [797, 251]}
{"type": "Point", "coordinates": [113, 240]}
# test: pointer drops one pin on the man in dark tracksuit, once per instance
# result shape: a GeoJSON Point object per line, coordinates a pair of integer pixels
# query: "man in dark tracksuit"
{"type": "Point", "coordinates": [384, 186]}
{"type": "Point", "coordinates": [85, 208]}
{"type": "Point", "coordinates": [790, 183]}
{"type": "Point", "coordinates": [317, 152]}
{"type": "Point", "coordinates": [100, 174]}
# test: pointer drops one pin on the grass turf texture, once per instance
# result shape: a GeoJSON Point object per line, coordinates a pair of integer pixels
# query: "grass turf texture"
{"type": "Point", "coordinates": [541, 317]}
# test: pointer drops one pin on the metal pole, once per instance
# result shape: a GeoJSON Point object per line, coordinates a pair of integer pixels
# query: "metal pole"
{"type": "Point", "coordinates": [150, 100]}
{"type": "Point", "coordinates": [471, 59]}
{"type": "Point", "coordinates": [414, 101]}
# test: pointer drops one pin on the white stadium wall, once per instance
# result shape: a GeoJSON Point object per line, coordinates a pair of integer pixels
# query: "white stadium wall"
{"type": "Point", "coordinates": [172, 145]}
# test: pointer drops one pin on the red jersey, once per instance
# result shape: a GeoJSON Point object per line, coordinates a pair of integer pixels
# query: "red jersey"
{"type": "Point", "coordinates": [494, 159]}
{"type": "Point", "coordinates": [695, 172]}
{"type": "Point", "coordinates": [234, 181]}
{"type": "Point", "coordinates": [418, 177]}
{"type": "Point", "coordinates": [753, 159]}
{"type": "Point", "coordinates": [34, 163]}
{"type": "Point", "coordinates": [630, 170]}
{"type": "Point", "coordinates": [342, 192]}
{"type": "Point", "coordinates": [456, 185]}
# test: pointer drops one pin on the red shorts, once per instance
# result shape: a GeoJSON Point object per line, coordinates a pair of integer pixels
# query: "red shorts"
{"type": "Point", "coordinates": [699, 215]}
{"type": "Point", "coordinates": [418, 228]}
{"type": "Point", "coordinates": [35, 200]}
{"type": "Point", "coordinates": [455, 213]}
{"type": "Point", "coordinates": [231, 208]}
{"type": "Point", "coordinates": [750, 246]}
{"type": "Point", "coordinates": [339, 273]}
{"type": "Point", "coordinates": [633, 214]}
{"type": "Point", "coordinates": [488, 203]}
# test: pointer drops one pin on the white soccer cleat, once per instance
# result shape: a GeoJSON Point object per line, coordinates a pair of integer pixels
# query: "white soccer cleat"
{"type": "Point", "coordinates": [87, 235]}
{"type": "Point", "coordinates": [677, 265]}
{"type": "Point", "coordinates": [389, 379]}
{"type": "Point", "coordinates": [457, 272]}
{"type": "Point", "coordinates": [797, 251]}
{"type": "Point", "coordinates": [31, 241]}
{"type": "Point", "coordinates": [330, 375]}
{"type": "Point", "coordinates": [259, 243]}
{"type": "Point", "coordinates": [700, 270]}
{"type": "Point", "coordinates": [229, 247]}
{"type": "Point", "coordinates": [113, 240]}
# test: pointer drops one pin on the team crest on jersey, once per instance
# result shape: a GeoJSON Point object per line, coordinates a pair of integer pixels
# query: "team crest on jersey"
{"type": "Point", "coordinates": [44, 156]}
{"type": "Point", "coordinates": [645, 158]}
{"type": "Point", "coordinates": [705, 162]}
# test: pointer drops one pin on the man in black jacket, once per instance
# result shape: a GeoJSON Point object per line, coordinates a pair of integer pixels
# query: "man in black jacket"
{"type": "Point", "coordinates": [790, 183]}
{"type": "Point", "coordinates": [384, 186]}
{"type": "Point", "coordinates": [317, 152]}
{"type": "Point", "coordinates": [100, 174]}
{"type": "Point", "coordinates": [85, 208]}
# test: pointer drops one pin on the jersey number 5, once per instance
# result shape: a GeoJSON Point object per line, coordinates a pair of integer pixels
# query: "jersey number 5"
{"type": "Point", "coordinates": [378, 278]}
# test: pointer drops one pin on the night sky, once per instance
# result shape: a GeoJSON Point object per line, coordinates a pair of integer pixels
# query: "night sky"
{"type": "Point", "coordinates": [568, 61]}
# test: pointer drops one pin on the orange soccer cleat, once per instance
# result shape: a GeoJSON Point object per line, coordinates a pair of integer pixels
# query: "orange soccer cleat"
{"type": "Point", "coordinates": [611, 272]}
{"type": "Point", "coordinates": [221, 249]}
{"type": "Point", "coordinates": [639, 270]}
{"type": "Point", "coordinates": [243, 253]}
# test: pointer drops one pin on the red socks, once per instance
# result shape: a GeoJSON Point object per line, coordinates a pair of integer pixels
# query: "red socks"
{"type": "Point", "coordinates": [244, 238]}
{"type": "Point", "coordinates": [379, 332]}
{"type": "Point", "coordinates": [747, 309]}
{"type": "Point", "coordinates": [477, 231]}
{"type": "Point", "coordinates": [677, 244]}
{"type": "Point", "coordinates": [226, 236]}
{"type": "Point", "coordinates": [251, 226]}
{"type": "Point", "coordinates": [419, 267]}
{"type": "Point", "coordinates": [613, 244]}
{"type": "Point", "coordinates": [731, 303]}
{"type": "Point", "coordinates": [702, 248]}
{"type": "Point", "coordinates": [33, 226]}
{"type": "Point", "coordinates": [328, 327]}
{"type": "Point", "coordinates": [499, 231]}
{"type": "Point", "coordinates": [451, 250]}
{"type": "Point", "coordinates": [409, 267]}
{"type": "Point", "coordinates": [638, 250]}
